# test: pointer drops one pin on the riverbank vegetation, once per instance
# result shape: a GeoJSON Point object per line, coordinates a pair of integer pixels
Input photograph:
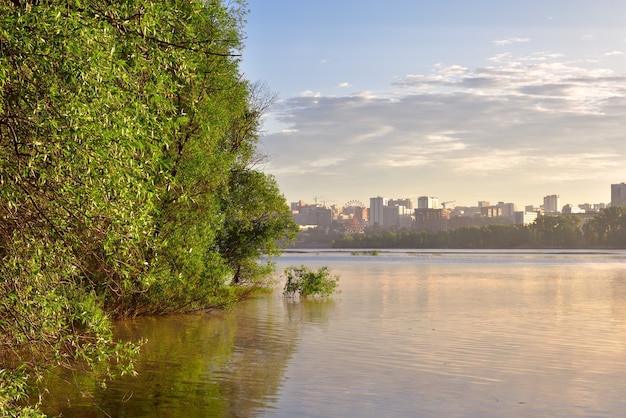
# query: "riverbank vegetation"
{"type": "Point", "coordinates": [606, 230]}
{"type": "Point", "coordinates": [129, 178]}
{"type": "Point", "coordinates": [305, 282]}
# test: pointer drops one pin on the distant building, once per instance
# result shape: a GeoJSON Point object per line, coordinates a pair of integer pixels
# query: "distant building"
{"type": "Point", "coordinates": [426, 202]}
{"type": "Point", "coordinates": [356, 212]}
{"type": "Point", "coordinates": [456, 222]}
{"type": "Point", "coordinates": [314, 215]}
{"type": "Point", "coordinates": [592, 209]}
{"type": "Point", "coordinates": [391, 216]}
{"type": "Point", "coordinates": [532, 208]}
{"type": "Point", "coordinates": [551, 204]}
{"type": "Point", "coordinates": [319, 215]}
{"type": "Point", "coordinates": [507, 209]}
{"type": "Point", "coordinates": [524, 218]}
{"type": "Point", "coordinates": [407, 203]}
{"type": "Point", "coordinates": [377, 211]}
{"type": "Point", "coordinates": [569, 209]}
{"type": "Point", "coordinates": [465, 211]}
{"type": "Point", "coordinates": [618, 194]}
{"type": "Point", "coordinates": [491, 211]}
{"type": "Point", "coordinates": [431, 220]}
{"type": "Point", "coordinates": [365, 215]}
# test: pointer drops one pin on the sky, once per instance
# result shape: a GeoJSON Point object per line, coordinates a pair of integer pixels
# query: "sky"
{"type": "Point", "coordinates": [466, 101]}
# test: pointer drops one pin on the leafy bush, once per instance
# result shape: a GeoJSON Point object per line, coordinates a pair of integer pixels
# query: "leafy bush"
{"type": "Point", "coordinates": [306, 282]}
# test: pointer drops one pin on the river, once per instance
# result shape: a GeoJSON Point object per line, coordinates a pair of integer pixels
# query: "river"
{"type": "Point", "coordinates": [411, 333]}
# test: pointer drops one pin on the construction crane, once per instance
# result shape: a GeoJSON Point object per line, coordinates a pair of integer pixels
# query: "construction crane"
{"type": "Point", "coordinates": [445, 203]}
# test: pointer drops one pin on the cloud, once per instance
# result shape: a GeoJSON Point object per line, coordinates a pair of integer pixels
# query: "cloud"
{"type": "Point", "coordinates": [539, 75]}
{"type": "Point", "coordinates": [344, 85]}
{"type": "Point", "coordinates": [325, 162]}
{"type": "Point", "coordinates": [536, 119]}
{"type": "Point", "coordinates": [509, 41]}
{"type": "Point", "coordinates": [490, 161]}
{"type": "Point", "coordinates": [310, 93]}
{"type": "Point", "coordinates": [376, 133]}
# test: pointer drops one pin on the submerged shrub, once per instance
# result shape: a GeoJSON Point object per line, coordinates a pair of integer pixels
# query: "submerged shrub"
{"type": "Point", "coordinates": [306, 282]}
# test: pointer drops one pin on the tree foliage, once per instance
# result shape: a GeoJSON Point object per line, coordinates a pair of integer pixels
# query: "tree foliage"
{"type": "Point", "coordinates": [127, 171]}
{"type": "Point", "coordinates": [304, 282]}
{"type": "Point", "coordinates": [605, 230]}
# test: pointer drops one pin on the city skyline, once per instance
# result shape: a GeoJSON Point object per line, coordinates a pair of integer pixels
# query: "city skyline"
{"type": "Point", "coordinates": [465, 101]}
{"type": "Point", "coordinates": [519, 206]}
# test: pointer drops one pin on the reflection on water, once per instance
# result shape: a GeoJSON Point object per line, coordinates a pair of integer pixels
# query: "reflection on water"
{"type": "Point", "coordinates": [411, 334]}
{"type": "Point", "coordinates": [224, 364]}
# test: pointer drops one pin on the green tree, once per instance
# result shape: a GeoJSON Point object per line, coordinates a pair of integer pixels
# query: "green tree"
{"type": "Point", "coordinates": [557, 231]}
{"type": "Point", "coordinates": [256, 219]}
{"type": "Point", "coordinates": [127, 139]}
{"type": "Point", "coordinates": [608, 228]}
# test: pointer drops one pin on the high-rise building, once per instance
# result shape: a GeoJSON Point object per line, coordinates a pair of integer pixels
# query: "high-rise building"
{"type": "Point", "coordinates": [426, 202]}
{"type": "Point", "coordinates": [396, 215]}
{"type": "Point", "coordinates": [507, 209]}
{"type": "Point", "coordinates": [531, 208]}
{"type": "Point", "coordinates": [377, 212]}
{"type": "Point", "coordinates": [618, 194]}
{"type": "Point", "coordinates": [304, 214]}
{"type": "Point", "coordinates": [431, 220]}
{"type": "Point", "coordinates": [491, 211]}
{"type": "Point", "coordinates": [552, 204]}
{"type": "Point", "coordinates": [391, 216]}
{"type": "Point", "coordinates": [407, 203]}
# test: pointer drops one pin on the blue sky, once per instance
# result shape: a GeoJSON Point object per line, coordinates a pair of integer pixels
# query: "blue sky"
{"type": "Point", "coordinates": [462, 100]}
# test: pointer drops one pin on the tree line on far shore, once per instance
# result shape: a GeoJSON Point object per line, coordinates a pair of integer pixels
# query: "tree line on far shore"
{"type": "Point", "coordinates": [605, 230]}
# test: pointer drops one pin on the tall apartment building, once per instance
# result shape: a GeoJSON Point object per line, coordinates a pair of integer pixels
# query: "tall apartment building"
{"type": "Point", "coordinates": [407, 203]}
{"type": "Point", "coordinates": [431, 220]}
{"type": "Point", "coordinates": [508, 209]}
{"type": "Point", "coordinates": [426, 202]}
{"type": "Point", "coordinates": [491, 211]}
{"type": "Point", "coordinates": [305, 214]}
{"type": "Point", "coordinates": [618, 194]}
{"type": "Point", "coordinates": [531, 208]}
{"type": "Point", "coordinates": [552, 204]}
{"type": "Point", "coordinates": [397, 216]}
{"type": "Point", "coordinates": [377, 210]}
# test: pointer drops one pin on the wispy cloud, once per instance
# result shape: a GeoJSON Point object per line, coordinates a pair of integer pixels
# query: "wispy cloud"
{"type": "Point", "coordinates": [509, 41]}
{"type": "Point", "coordinates": [310, 93]}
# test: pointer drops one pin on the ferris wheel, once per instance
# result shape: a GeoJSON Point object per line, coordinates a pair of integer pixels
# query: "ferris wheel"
{"type": "Point", "coordinates": [352, 207]}
{"type": "Point", "coordinates": [354, 217]}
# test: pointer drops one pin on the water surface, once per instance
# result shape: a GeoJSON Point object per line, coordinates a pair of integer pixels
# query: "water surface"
{"type": "Point", "coordinates": [419, 333]}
